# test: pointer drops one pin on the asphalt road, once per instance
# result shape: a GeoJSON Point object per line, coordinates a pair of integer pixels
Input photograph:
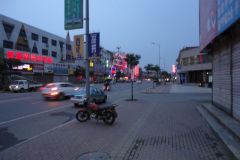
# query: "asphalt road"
{"type": "Point", "coordinates": [26, 115]}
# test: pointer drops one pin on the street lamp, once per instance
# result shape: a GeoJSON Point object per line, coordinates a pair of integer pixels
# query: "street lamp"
{"type": "Point", "coordinates": [154, 43]}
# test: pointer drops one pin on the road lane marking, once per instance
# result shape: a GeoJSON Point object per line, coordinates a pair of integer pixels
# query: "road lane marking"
{"type": "Point", "coordinates": [34, 114]}
{"type": "Point", "coordinates": [45, 132]}
{"type": "Point", "coordinates": [14, 99]}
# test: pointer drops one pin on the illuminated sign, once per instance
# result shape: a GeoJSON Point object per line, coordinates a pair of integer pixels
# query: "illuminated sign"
{"type": "Point", "coordinates": [39, 58]}
{"type": "Point", "coordinates": [27, 56]}
{"type": "Point", "coordinates": [19, 55]}
{"type": "Point", "coordinates": [10, 54]}
{"type": "Point", "coordinates": [174, 68]}
{"type": "Point", "coordinates": [44, 59]}
{"type": "Point", "coordinates": [113, 71]}
{"type": "Point", "coordinates": [23, 67]}
{"type": "Point", "coordinates": [136, 70]}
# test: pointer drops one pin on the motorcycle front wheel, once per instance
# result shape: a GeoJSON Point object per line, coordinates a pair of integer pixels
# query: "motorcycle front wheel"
{"type": "Point", "coordinates": [82, 116]}
{"type": "Point", "coordinates": [109, 118]}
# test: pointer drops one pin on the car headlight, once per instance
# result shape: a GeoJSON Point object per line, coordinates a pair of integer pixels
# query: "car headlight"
{"type": "Point", "coordinates": [16, 87]}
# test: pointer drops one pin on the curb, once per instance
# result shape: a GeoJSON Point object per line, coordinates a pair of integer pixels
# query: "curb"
{"type": "Point", "coordinates": [224, 132]}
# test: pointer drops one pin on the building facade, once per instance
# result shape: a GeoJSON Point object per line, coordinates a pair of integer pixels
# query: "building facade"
{"type": "Point", "coordinates": [194, 66]}
{"type": "Point", "coordinates": [221, 40]}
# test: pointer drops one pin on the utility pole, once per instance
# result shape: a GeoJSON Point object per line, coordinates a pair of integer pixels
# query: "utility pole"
{"type": "Point", "coordinates": [86, 52]}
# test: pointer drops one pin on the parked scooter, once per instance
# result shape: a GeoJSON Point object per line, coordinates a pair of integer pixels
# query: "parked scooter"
{"type": "Point", "coordinates": [107, 113]}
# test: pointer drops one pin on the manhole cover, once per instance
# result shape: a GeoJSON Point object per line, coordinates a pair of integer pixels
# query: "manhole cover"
{"type": "Point", "coordinates": [94, 156]}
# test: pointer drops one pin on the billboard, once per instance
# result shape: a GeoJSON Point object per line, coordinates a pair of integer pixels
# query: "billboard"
{"type": "Point", "coordinates": [94, 45]}
{"type": "Point", "coordinates": [207, 22]}
{"type": "Point", "coordinates": [78, 46]}
{"type": "Point", "coordinates": [228, 12]}
{"type": "Point", "coordinates": [73, 14]}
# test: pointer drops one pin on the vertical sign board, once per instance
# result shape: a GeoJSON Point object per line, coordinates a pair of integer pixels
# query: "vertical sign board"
{"type": "Point", "coordinates": [94, 45]}
{"type": "Point", "coordinates": [78, 45]}
{"type": "Point", "coordinates": [228, 12]}
{"type": "Point", "coordinates": [207, 22]}
{"type": "Point", "coordinates": [73, 14]}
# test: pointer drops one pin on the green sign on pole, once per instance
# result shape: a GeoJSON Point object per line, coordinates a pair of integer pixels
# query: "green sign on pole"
{"type": "Point", "coordinates": [73, 14]}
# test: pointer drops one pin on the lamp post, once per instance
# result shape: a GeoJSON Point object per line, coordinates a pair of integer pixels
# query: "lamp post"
{"type": "Point", "coordinates": [154, 43]}
{"type": "Point", "coordinates": [86, 52]}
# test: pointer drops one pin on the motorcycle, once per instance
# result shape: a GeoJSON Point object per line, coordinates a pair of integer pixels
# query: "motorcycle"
{"type": "Point", "coordinates": [106, 113]}
{"type": "Point", "coordinates": [106, 88]}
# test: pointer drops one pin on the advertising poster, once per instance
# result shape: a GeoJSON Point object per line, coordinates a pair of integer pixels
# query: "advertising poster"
{"type": "Point", "coordinates": [73, 14]}
{"type": "Point", "coordinates": [94, 45]}
{"type": "Point", "coordinates": [207, 22]}
{"type": "Point", "coordinates": [78, 46]}
{"type": "Point", "coordinates": [228, 12]}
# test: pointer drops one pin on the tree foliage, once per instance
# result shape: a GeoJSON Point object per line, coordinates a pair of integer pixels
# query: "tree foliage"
{"type": "Point", "coordinates": [132, 60]}
{"type": "Point", "coordinates": [80, 71]}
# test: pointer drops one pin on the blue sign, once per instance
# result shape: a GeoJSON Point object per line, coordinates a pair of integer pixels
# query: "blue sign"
{"type": "Point", "coordinates": [228, 12]}
{"type": "Point", "coordinates": [94, 45]}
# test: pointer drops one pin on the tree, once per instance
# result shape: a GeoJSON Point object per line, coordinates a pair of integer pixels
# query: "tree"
{"type": "Point", "coordinates": [132, 60]}
{"type": "Point", "coordinates": [148, 68]}
{"type": "Point", "coordinates": [80, 71]}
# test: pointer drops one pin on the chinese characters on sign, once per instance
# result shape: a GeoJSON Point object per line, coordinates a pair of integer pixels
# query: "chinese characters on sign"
{"type": "Point", "coordinates": [73, 14]}
{"type": "Point", "coordinates": [78, 46]}
{"type": "Point", "coordinates": [94, 45]}
{"type": "Point", "coordinates": [228, 11]}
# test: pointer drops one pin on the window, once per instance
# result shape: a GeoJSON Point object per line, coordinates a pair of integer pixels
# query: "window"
{"type": "Point", "coordinates": [34, 37]}
{"type": "Point", "coordinates": [54, 54]}
{"type": "Point", "coordinates": [45, 52]}
{"type": "Point", "coordinates": [61, 45]}
{"type": "Point", "coordinates": [22, 33]}
{"type": "Point", "coordinates": [22, 47]}
{"type": "Point", "coordinates": [45, 40]}
{"type": "Point", "coordinates": [54, 43]}
{"type": "Point", "coordinates": [69, 47]}
{"type": "Point", "coordinates": [8, 27]}
{"type": "Point", "coordinates": [7, 44]}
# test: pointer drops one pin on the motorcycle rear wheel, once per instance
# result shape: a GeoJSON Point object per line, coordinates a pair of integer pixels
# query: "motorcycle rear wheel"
{"type": "Point", "coordinates": [82, 116]}
{"type": "Point", "coordinates": [109, 118]}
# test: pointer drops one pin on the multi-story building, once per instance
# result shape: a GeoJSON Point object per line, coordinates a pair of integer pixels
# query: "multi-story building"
{"type": "Point", "coordinates": [194, 66]}
{"type": "Point", "coordinates": [42, 51]}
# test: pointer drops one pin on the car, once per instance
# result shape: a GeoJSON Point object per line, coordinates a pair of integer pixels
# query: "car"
{"type": "Point", "coordinates": [148, 80]}
{"type": "Point", "coordinates": [138, 81]}
{"type": "Point", "coordinates": [96, 96]}
{"type": "Point", "coordinates": [58, 90]}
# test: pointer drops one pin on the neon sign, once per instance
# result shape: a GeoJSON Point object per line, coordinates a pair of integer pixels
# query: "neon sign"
{"type": "Point", "coordinates": [27, 56]}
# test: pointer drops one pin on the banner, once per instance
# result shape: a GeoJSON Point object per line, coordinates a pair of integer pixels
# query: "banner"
{"type": "Point", "coordinates": [78, 50]}
{"type": "Point", "coordinates": [73, 14]}
{"type": "Point", "coordinates": [228, 12]}
{"type": "Point", "coordinates": [207, 22]}
{"type": "Point", "coordinates": [94, 45]}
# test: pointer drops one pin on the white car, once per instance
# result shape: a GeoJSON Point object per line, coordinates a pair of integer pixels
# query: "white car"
{"type": "Point", "coordinates": [58, 90]}
{"type": "Point", "coordinates": [96, 96]}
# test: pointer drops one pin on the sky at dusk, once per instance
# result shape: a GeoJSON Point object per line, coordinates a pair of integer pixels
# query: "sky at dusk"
{"type": "Point", "coordinates": [130, 24]}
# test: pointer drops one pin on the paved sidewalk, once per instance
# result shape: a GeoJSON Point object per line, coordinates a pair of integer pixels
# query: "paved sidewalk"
{"type": "Point", "coordinates": [156, 127]}
{"type": "Point", "coordinates": [176, 88]}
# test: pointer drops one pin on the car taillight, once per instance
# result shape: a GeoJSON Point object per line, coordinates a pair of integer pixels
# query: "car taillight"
{"type": "Point", "coordinates": [42, 88]}
{"type": "Point", "coordinates": [54, 88]}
